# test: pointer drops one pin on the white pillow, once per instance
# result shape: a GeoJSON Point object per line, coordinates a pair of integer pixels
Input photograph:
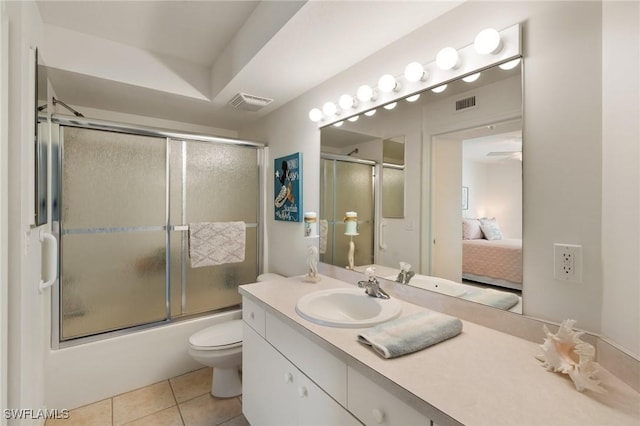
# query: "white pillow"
{"type": "Point", "coordinates": [490, 229]}
{"type": "Point", "coordinates": [471, 229]}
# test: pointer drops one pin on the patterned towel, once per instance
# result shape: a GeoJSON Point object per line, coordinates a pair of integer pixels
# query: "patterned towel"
{"type": "Point", "coordinates": [324, 229]}
{"type": "Point", "coordinates": [411, 333]}
{"type": "Point", "coordinates": [216, 243]}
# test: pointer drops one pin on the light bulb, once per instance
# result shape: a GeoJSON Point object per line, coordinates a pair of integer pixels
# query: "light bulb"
{"type": "Point", "coordinates": [387, 83]}
{"type": "Point", "coordinates": [488, 42]}
{"type": "Point", "coordinates": [365, 93]}
{"type": "Point", "coordinates": [439, 89]}
{"type": "Point", "coordinates": [471, 78]}
{"type": "Point", "coordinates": [354, 118]}
{"type": "Point", "coordinates": [370, 113]}
{"type": "Point", "coordinates": [315, 115]}
{"type": "Point", "coordinates": [329, 109]}
{"type": "Point", "coordinates": [339, 123]}
{"type": "Point", "coordinates": [510, 65]}
{"type": "Point", "coordinates": [346, 102]}
{"type": "Point", "coordinates": [448, 58]}
{"type": "Point", "coordinates": [413, 98]}
{"type": "Point", "coordinates": [415, 72]}
{"type": "Point", "coordinates": [390, 106]}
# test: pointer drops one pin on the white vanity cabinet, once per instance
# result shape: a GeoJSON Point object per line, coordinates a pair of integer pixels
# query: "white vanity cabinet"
{"type": "Point", "coordinates": [276, 392]}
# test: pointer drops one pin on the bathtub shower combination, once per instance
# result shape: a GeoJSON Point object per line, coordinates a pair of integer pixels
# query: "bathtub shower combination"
{"type": "Point", "coordinates": [123, 198]}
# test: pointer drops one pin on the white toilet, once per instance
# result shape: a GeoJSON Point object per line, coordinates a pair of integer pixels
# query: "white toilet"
{"type": "Point", "coordinates": [220, 346]}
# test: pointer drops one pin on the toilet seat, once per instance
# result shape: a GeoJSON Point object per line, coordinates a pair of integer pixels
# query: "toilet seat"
{"type": "Point", "coordinates": [226, 335]}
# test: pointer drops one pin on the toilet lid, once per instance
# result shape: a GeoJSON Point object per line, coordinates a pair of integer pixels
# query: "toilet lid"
{"type": "Point", "coordinates": [228, 333]}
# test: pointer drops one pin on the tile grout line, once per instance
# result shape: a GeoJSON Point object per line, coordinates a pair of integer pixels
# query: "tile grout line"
{"type": "Point", "coordinates": [173, 392]}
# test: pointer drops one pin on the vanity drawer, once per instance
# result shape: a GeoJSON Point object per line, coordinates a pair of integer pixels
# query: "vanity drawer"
{"type": "Point", "coordinates": [254, 315]}
{"type": "Point", "coordinates": [320, 365]}
{"type": "Point", "coordinates": [373, 405]}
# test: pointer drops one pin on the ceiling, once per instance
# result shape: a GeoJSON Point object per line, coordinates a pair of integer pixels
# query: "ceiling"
{"type": "Point", "coordinates": [272, 49]}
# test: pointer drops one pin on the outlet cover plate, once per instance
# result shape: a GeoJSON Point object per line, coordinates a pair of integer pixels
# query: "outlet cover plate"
{"type": "Point", "coordinates": [567, 262]}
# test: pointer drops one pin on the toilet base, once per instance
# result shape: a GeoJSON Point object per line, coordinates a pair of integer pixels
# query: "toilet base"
{"type": "Point", "coordinates": [226, 382]}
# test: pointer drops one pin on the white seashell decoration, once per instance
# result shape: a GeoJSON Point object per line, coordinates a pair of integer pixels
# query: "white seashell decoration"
{"type": "Point", "coordinates": [564, 352]}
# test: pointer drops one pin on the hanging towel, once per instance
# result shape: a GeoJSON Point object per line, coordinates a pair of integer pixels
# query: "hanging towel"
{"type": "Point", "coordinates": [494, 298]}
{"type": "Point", "coordinates": [411, 333]}
{"type": "Point", "coordinates": [216, 243]}
{"type": "Point", "coordinates": [324, 229]}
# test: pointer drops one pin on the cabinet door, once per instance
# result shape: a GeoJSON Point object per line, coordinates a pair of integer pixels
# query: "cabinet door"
{"type": "Point", "coordinates": [268, 392]}
{"type": "Point", "coordinates": [316, 408]}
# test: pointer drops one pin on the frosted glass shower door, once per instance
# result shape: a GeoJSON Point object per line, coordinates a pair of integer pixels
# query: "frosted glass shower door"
{"type": "Point", "coordinates": [112, 227]}
{"type": "Point", "coordinates": [211, 183]}
{"type": "Point", "coordinates": [347, 186]}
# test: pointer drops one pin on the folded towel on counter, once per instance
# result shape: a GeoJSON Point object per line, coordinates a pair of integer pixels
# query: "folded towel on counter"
{"type": "Point", "coordinates": [411, 333]}
{"type": "Point", "coordinates": [216, 243]}
{"type": "Point", "coordinates": [494, 298]}
{"type": "Point", "coordinates": [324, 229]}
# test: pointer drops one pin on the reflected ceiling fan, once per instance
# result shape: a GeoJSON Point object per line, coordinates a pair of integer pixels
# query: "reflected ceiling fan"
{"type": "Point", "coordinates": [517, 155]}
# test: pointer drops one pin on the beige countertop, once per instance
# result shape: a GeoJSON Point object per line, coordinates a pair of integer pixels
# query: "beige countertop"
{"type": "Point", "coordinates": [480, 377]}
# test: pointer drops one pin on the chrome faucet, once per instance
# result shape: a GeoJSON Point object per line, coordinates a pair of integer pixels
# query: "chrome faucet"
{"type": "Point", "coordinates": [372, 286]}
{"type": "Point", "coordinates": [405, 274]}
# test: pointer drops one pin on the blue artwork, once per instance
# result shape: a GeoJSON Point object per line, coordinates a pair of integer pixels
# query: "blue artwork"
{"type": "Point", "coordinates": [288, 188]}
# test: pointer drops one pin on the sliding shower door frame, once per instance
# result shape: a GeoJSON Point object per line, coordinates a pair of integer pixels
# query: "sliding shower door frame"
{"type": "Point", "coordinates": [58, 123]}
{"type": "Point", "coordinates": [375, 196]}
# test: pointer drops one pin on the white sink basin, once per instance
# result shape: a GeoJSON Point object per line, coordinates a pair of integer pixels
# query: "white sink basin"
{"type": "Point", "coordinates": [346, 307]}
{"type": "Point", "coordinates": [439, 285]}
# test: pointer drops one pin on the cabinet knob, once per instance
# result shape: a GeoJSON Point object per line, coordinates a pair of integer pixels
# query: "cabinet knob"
{"type": "Point", "coordinates": [302, 391]}
{"type": "Point", "coordinates": [252, 315]}
{"type": "Point", "coordinates": [288, 378]}
{"type": "Point", "coordinates": [378, 415]}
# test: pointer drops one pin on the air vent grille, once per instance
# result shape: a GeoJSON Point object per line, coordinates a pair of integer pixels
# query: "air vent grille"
{"type": "Point", "coordinates": [465, 103]}
{"type": "Point", "coordinates": [249, 102]}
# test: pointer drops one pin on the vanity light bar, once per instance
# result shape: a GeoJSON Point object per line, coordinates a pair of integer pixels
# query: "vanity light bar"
{"type": "Point", "coordinates": [489, 48]}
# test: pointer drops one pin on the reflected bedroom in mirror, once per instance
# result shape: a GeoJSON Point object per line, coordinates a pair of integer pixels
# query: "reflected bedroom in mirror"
{"type": "Point", "coordinates": [435, 184]}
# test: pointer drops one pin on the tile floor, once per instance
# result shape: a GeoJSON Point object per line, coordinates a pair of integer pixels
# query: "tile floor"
{"type": "Point", "coordinates": [180, 401]}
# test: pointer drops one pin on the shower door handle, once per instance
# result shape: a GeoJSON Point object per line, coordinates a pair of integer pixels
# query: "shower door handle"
{"type": "Point", "coordinates": [50, 244]}
{"type": "Point", "coordinates": [382, 243]}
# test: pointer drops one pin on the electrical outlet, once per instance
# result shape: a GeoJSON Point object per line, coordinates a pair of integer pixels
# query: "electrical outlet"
{"type": "Point", "coordinates": [567, 262]}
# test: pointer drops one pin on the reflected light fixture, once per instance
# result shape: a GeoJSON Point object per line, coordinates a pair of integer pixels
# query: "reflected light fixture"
{"type": "Point", "coordinates": [315, 115]}
{"type": "Point", "coordinates": [510, 65]}
{"type": "Point", "coordinates": [370, 113]}
{"type": "Point", "coordinates": [387, 83]}
{"type": "Point", "coordinates": [338, 124]}
{"type": "Point", "coordinates": [329, 109]}
{"type": "Point", "coordinates": [448, 59]}
{"type": "Point", "coordinates": [413, 98]}
{"type": "Point", "coordinates": [365, 93]}
{"type": "Point", "coordinates": [439, 89]}
{"type": "Point", "coordinates": [415, 72]}
{"type": "Point", "coordinates": [471, 78]}
{"type": "Point", "coordinates": [488, 42]}
{"type": "Point", "coordinates": [390, 106]}
{"type": "Point", "coordinates": [353, 119]}
{"type": "Point", "coordinates": [346, 102]}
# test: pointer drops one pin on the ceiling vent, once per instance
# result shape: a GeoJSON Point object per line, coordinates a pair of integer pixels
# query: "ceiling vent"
{"type": "Point", "coordinates": [465, 103]}
{"type": "Point", "coordinates": [249, 102]}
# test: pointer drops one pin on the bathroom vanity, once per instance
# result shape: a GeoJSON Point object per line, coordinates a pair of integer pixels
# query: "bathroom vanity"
{"type": "Point", "coordinates": [298, 372]}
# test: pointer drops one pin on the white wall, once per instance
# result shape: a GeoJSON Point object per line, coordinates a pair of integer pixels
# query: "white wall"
{"type": "Point", "coordinates": [562, 142]}
{"type": "Point", "coordinates": [4, 142]}
{"type": "Point", "coordinates": [495, 190]}
{"type": "Point", "coordinates": [620, 174]}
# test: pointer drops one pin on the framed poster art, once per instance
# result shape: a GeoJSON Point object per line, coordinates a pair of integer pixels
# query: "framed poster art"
{"type": "Point", "coordinates": [288, 188]}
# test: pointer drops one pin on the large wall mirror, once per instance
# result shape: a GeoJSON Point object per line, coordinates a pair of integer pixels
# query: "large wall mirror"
{"type": "Point", "coordinates": [436, 182]}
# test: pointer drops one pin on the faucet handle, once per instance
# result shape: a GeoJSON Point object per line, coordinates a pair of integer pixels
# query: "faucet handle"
{"type": "Point", "coordinates": [371, 273]}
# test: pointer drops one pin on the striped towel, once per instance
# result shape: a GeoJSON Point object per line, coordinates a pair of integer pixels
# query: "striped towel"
{"type": "Point", "coordinates": [411, 333]}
